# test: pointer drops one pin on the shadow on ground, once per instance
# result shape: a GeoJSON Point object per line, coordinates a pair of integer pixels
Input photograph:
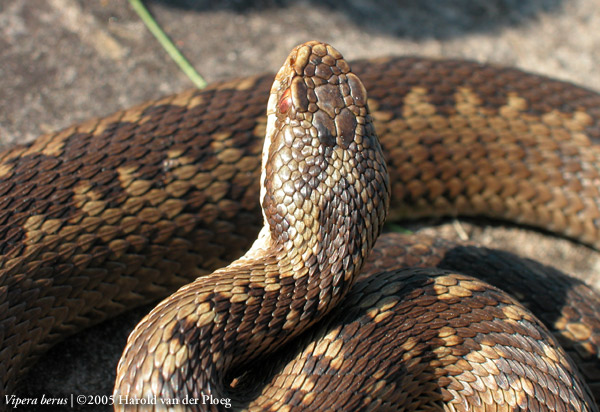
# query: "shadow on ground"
{"type": "Point", "coordinates": [402, 18]}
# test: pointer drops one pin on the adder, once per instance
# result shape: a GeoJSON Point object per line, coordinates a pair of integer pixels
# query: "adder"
{"type": "Point", "coordinates": [122, 210]}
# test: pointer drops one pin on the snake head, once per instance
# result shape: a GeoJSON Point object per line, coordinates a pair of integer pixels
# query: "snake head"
{"type": "Point", "coordinates": [323, 169]}
{"type": "Point", "coordinates": [315, 85]}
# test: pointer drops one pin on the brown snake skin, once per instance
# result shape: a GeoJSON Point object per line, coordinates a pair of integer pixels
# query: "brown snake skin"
{"type": "Point", "coordinates": [119, 211]}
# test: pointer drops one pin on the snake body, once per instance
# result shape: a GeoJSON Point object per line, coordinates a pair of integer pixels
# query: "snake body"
{"type": "Point", "coordinates": [122, 210]}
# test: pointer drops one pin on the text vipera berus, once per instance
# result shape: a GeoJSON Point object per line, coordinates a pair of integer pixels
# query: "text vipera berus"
{"type": "Point", "coordinates": [119, 211]}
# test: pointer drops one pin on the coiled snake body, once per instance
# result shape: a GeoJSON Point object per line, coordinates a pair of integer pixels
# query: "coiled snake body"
{"type": "Point", "coordinates": [119, 211]}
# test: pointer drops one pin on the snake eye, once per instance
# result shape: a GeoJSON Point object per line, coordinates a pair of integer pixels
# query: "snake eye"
{"type": "Point", "coordinates": [285, 102]}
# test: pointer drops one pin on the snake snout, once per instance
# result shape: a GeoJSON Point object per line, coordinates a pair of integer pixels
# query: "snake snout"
{"type": "Point", "coordinates": [316, 88]}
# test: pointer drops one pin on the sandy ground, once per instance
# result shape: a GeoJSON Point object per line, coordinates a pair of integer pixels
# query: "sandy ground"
{"type": "Point", "coordinates": [63, 61]}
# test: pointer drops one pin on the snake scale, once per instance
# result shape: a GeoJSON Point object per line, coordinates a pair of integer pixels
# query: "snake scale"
{"type": "Point", "coordinates": [119, 211]}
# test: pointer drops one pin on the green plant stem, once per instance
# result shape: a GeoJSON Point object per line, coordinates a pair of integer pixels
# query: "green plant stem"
{"type": "Point", "coordinates": [167, 43]}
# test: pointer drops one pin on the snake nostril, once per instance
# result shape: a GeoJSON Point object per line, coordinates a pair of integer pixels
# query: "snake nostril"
{"type": "Point", "coordinates": [285, 102]}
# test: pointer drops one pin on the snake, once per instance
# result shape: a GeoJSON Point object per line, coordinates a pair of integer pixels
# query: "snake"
{"type": "Point", "coordinates": [123, 210]}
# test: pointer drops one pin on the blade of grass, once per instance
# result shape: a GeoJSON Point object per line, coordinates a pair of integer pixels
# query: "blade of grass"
{"type": "Point", "coordinates": [167, 43]}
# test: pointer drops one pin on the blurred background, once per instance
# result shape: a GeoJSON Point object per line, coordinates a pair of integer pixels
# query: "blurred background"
{"type": "Point", "coordinates": [63, 61]}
